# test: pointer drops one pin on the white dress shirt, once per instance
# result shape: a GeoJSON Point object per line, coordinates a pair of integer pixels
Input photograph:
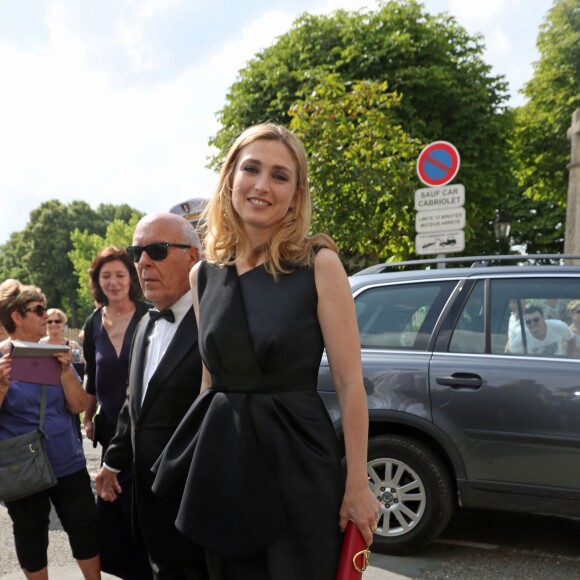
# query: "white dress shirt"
{"type": "Point", "coordinates": [160, 338]}
{"type": "Point", "coordinates": [157, 343]}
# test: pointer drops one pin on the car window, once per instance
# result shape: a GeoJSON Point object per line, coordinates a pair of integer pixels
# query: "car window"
{"type": "Point", "coordinates": [469, 332]}
{"type": "Point", "coordinates": [529, 317]}
{"type": "Point", "coordinates": [400, 316]}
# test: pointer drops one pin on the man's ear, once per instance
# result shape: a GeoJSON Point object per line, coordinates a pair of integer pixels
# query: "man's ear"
{"type": "Point", "coordinates": [194, 256]}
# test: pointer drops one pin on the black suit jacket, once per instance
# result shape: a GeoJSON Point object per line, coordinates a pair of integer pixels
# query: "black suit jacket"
{"type": "Point", "coordinates": [144, 430]}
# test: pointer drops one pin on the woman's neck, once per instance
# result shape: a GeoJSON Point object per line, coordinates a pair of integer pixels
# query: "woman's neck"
{"type": "Point", "coordinates": [119, 308]}
{"type": "Point", "coordinates": [256, 258]}
{"type": "Point", "coordinates": [18, 335]}
{"type": "Point", "coordinates": [55, 339]}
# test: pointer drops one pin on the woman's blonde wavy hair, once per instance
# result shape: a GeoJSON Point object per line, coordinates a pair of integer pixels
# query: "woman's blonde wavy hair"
{"type": "Point", "coordinates": [222, 229]}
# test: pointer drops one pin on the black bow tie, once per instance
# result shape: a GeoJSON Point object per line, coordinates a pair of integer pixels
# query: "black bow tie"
{"type": "Point", "coordinates": [156, 315]}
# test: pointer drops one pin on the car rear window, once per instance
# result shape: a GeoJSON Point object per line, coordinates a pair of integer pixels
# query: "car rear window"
{"type": "Point", "coordinates": [400, 316]}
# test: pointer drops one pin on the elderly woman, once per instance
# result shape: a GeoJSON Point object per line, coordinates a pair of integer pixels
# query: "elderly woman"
{"type": "Point", "coordinates": [55, 327]}
{"type": "Point", "coordinates": [107, 339]}
{"type": "Point", "coordinates": [23, 314]}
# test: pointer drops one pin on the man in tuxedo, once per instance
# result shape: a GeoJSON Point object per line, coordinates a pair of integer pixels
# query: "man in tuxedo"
{"type": "Point", "coordinates": [164, 380]}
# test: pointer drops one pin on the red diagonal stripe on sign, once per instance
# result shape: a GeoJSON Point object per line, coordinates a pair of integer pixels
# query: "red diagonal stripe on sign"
{"type": "Point", "coordinates": [437, 163]}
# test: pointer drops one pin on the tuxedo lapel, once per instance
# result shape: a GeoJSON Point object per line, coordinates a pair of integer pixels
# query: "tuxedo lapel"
{"type": "Point", "coordinates": [137, 365]}
{"type": "Point", "coordinates": [183, 341]}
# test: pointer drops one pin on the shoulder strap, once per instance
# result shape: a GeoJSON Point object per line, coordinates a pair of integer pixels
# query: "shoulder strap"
{"type": "Point", "coordinates": [43, 397]}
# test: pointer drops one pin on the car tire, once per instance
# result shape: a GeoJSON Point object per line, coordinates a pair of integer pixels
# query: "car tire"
{"type": "Point", "coordinates": [415, 490]}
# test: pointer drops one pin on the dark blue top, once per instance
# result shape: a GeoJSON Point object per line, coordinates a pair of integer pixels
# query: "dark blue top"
{"type": "Point", "coordinates": [105, 371]}
{"type": "Point", "coordinates": [20, 413]}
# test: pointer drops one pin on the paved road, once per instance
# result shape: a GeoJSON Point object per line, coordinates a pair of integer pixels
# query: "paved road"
{"type": "Point", "coordinates": [477, 545]}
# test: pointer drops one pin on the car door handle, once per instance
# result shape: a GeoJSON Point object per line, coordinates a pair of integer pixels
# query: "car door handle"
{"type": "Point", "coordinates": [460, 380]}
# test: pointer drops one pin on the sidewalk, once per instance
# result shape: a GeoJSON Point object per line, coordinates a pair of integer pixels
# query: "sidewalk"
{"type": "Point", "coordinates": [61, 564]}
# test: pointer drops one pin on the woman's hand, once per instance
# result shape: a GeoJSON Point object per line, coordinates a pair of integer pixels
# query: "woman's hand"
{"type": "Point", "coordinates": [89, 416]}
{"type": "Point", "coordinates": [362, 507]}
{"type": "Point", "coordinates": [89, 427]}
{"type": "Point", "coordinates": [75, 395]}
{"type": "Point", "coordinates": [65, 360]}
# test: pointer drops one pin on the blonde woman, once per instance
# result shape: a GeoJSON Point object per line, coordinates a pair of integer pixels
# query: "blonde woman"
{"type": "Point", "coordinates": [55, 327]}
{"type": "Point", "coordinates": [255, 462]}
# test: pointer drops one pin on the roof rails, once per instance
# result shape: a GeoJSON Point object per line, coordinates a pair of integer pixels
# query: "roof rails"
{"type": "Point", "coordinates": [471, 261]}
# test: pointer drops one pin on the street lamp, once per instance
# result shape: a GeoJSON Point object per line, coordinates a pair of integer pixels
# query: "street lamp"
{"type": "Point", "coordinates": [501, 229]}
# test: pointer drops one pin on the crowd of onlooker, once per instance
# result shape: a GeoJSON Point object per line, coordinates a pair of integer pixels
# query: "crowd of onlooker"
{"type": "Point", "coordinates": [552, 327]}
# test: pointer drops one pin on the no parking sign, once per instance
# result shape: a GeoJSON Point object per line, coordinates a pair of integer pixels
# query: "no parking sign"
{"type": "Point", "coordinates": [438, 163]}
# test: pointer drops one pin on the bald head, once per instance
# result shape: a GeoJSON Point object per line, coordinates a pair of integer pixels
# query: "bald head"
{"type": "Point", "coordinates": [165, 280]}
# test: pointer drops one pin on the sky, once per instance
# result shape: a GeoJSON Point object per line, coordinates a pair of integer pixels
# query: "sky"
{"type": "Point", "coordinates": [114, 101]}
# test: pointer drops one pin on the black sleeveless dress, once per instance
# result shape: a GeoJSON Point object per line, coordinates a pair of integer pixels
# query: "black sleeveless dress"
{"type": "Point", "coordinates": [255, 464]}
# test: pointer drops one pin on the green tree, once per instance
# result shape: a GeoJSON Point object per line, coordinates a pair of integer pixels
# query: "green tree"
{"type": "Point", "coordinates": [446, 92]}
{"type": "Point", "coordinates": [11, 262]}
{"type": "Point", "coordinates": [39, 254]}
{"type": "Point", "coordinates": [541, 149]}
{"type": "Point", "coordinates": [46, 244]}
{"type": "Point", "coordinates": [365, 184]}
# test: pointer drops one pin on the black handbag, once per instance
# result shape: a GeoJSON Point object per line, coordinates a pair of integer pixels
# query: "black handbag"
{"type": "Point", "coordinates": [103, 431]}
{"type": "Point", "coordinates": [24, 465]}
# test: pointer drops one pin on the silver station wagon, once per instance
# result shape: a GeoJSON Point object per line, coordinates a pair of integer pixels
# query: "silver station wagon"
{"type": "Point", "coordinates": [473, 384]}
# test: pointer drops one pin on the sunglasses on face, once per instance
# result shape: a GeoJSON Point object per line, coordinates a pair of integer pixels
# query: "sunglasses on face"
{"type": "Point", "coordinates": [39, 309]}
{"type": "Point", "coordinates": [53, 321]}
{"type": "Point", "coordinates": [535, 320]}
{"type": "Point", "coordinates": [156, 251]}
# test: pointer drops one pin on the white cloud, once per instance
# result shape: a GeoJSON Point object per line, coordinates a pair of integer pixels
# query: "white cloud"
{"type": "Point", "coordinates": [71, 130]}
{"type": "Point", "coordinates": [132, 30]}
{"type": "Point", "coordinates": [77, 137]}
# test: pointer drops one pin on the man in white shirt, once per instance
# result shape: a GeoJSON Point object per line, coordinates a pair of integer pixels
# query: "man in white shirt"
{"type": "Point", "coordinates": [544, 337]}
{"type": "Point", "coordinates": [164, 380]}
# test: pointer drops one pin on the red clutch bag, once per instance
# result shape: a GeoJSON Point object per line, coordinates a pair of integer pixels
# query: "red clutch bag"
{"type": "Point", "coordinates": [354, 557]}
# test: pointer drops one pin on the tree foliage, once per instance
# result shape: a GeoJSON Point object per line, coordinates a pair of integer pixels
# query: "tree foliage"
{"type": "Point", "coordinates": [541, 149]}
{"type": "Point", "coordinates": [366, 183]}
{"type": "Point", "coordinates": [445, 88]}
{"type": "Point", "coordinates": [39, 253]}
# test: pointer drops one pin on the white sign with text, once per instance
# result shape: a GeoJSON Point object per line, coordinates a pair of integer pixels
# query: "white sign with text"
{"type": "Point", "coordinates": [440, 220]}
{"type": "Point", "coordinates": [431, 198]}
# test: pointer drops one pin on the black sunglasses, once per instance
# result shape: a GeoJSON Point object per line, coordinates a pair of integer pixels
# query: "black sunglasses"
{"type": "Point", "coordinates": [535, 320]}
{"type": "Point", "coordinates": [39, 309]}
{"type": "Point", "coordinates": [156, 251]}
{"type": "Point", "coordinates": [53, 321]}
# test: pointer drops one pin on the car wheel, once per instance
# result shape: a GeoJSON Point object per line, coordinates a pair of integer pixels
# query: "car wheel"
{"type": "Point", "coordinates": [415, 491]}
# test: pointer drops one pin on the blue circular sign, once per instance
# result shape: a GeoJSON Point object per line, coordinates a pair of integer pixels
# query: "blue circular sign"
{"type": "Point", "coordinates": [438, 163]}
